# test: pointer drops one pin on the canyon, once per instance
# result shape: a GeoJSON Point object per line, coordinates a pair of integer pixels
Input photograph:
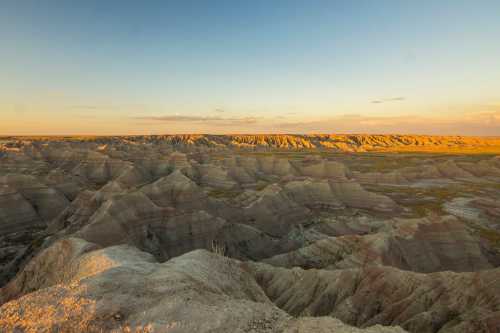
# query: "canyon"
{"type": "Point", "coordinates": [250, 233]}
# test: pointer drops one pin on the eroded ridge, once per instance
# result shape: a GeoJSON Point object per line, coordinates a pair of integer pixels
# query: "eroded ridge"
{"type": "Point", "coordinates": [249, 234]}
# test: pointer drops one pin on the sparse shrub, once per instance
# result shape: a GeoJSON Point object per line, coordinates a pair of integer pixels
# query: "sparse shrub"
{"type": "Point", "coordinates": [218, 248]}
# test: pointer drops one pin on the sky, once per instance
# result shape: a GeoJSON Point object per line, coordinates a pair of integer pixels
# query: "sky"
{"type": "Point", "coordinates": [158, 67]}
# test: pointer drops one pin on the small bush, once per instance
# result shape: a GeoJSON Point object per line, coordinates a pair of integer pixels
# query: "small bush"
{"type": "Point", "coordinates": [218, 248]}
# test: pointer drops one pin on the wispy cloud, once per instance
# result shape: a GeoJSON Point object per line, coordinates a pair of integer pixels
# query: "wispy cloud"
{"type": "Point", "coordinates": [202, 119]}
{"type": "Point", "coordinates": [388, 100]}
{"type": "Point", "coordinates": [476, 123]}
{"type": "Point", "coordinates": [91, 107]}
{"type": "Point", "coordinates": [86, 107]}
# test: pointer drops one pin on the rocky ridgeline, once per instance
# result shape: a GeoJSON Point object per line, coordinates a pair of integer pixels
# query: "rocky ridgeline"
{"type": "Point", "coordinates": [205, 292]}
{"type": "Point", "coordinates": [197, 292]}
{"type": "Point", "coordinates": [339, 142]}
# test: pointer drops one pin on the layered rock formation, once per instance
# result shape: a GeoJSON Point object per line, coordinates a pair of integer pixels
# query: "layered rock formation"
{"type": "Point", "coordinates": [420, 245]}
{"type": "Point", "coordinates": [69, 280]}
{"type": "Point", "coordinates": [144, 296]}
{"type": "Point", "coordinates": [113, 233]}
{"type": "Point", "coordinates": [438, 302]}
{"type": "Point", "coordinates": [340, 142]}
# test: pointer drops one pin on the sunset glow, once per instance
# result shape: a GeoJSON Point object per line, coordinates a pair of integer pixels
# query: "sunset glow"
{"type": "Point", "coordinates": [122, 67]}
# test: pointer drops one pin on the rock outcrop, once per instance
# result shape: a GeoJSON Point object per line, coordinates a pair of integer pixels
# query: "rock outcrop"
{"type": "Point", "coordinates": [120, 288]}
{"type": "Point", "coordinates": [438, 302]}
{"type": "Point", "coordinates": [420, 245]}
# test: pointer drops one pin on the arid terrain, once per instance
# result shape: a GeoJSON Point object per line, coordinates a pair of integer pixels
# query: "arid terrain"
{"type": "Point", "coordinates": [250, 233]}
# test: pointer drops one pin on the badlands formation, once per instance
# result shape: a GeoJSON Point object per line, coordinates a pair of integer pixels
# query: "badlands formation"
{"type": "Point", "coordinates": [250, 233]}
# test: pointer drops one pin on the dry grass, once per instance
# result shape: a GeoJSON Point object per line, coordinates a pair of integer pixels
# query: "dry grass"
{"type": "Point", "coordinates": [218, 248]}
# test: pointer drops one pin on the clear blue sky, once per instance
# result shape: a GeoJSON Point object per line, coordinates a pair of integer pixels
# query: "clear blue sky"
{"type": "Point", "coordinates": [249, 66]}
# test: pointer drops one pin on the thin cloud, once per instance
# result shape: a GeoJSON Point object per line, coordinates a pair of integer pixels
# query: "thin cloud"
{"type": "Point", "coordinates": [227, 121]}
{"type": "Point", "coordinates": [87, 107]}
{"type": "Point", "coordinates": [220, 110]}
{"type": "Point", "coordinates": [388, 100]}
{"type": "Point", "coordinates": [91, 107]}
{"type": "Point", "coordinates": [477, 123]}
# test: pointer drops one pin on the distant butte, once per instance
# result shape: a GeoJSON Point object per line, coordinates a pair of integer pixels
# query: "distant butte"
{"type": "Point", "coordinates": [335, 142]}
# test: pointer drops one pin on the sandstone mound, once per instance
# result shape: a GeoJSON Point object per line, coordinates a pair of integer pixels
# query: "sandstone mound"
{"type": "Point", "coordinates": [16, 213]}
{"type": "Point", "coordinates": [78, 213]}
{"type": "Point", "coordinates": [20, 161]}
{"type": "Point", "coordinates": [178, 161]}
{"type": "Point", "coordinates": [46, 201]}
{"type": "Point", "coordinates": [272, 211]}
{"type": "Point", "coordinates": [123, 219]}
{"type": "Point", "coordinates": [97, 168]}
{"type": "Point", "coordinates": [271, 165]}
{"type": "Point", "coordinates": [120, 288]}
{"type": "Point", "coordinates": [420, 245]}
{"type": "Point", "coordinates": [64, 183]}
{"type": "Point", "coordinates": [438, 302]}
{"type": "Point", "coordinates": [175, 190]}
{"type": "Point", "coordinates": [318, 168]}
{"type": "Point", "coordinates": [214, 176]}
{"type": "Point", "coordinates": [313, 194]}
{"type": "Point", "coordinates": [274, 208]}
{"type": "Point", "coordinates": [352, 194]}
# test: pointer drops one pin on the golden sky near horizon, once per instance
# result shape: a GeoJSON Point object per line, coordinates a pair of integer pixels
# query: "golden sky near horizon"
{"type": "Point", "coordinates": [470, 120]}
